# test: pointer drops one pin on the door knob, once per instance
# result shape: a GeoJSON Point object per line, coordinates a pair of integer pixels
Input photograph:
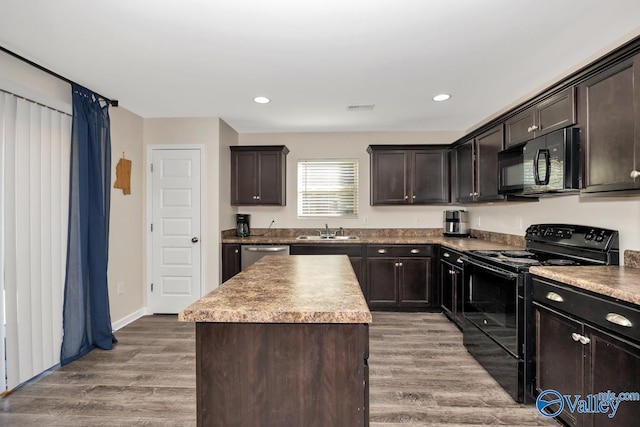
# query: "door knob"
{"type": "Point", "coordinates": [194, 240]}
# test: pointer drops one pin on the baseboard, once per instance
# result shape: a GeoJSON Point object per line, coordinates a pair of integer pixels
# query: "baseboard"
{"type": "Point", "coordinates": [128, 319]}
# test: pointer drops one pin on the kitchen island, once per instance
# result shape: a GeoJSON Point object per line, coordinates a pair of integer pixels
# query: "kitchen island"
{"type": "Point", "coordinates": [285, 342]}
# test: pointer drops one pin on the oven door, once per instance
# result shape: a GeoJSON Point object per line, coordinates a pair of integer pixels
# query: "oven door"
{"type": "Point", "coordinates": [493, 303]}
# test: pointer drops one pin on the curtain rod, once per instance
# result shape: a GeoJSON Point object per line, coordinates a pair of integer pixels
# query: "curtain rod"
{"type": "Point", "coordinates": [112, 102]}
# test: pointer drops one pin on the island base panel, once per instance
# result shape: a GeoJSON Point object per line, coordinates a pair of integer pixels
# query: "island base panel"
{"type": "Point", "coordinates": [275, 374]}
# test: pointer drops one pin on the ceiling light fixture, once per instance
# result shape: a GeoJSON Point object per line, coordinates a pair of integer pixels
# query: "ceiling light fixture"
{"type": "Point", "coordinates": [261, 99]}
{"type": "Point", "coordinates": [441, 97]}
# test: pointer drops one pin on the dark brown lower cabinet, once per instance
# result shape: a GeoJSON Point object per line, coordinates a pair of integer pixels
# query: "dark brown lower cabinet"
{"type": "Point", "coordinates": [272, 374]}
{"type": "Point", "coordinates": [577, 357]}
{"type": "Point", "coordinates": [400, 276]}
{"type": "Point", "coordinates": [451, 284]}
{"type": "Point", "coordinates": [230, 260]}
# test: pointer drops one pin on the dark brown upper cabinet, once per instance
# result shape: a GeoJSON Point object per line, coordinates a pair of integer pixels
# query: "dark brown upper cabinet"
{"type": "Point", "coordinates": [401, 175]}
{"type": "Point", "coordinates": [556, 112]}
{"type": "Point", "coordinates": [258, 175]}
{"type": "Point", "coordinates": [476, 167]}
{"type": "Point", "coordinates": [609, 113]}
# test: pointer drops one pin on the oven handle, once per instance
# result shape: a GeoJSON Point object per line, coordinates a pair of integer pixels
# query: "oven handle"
{"type": "Point", "coordinates": [494, 270]}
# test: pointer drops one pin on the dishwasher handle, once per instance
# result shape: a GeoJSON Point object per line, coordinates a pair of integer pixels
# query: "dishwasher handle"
{"type": "Point", "coordinates": [266, 249]}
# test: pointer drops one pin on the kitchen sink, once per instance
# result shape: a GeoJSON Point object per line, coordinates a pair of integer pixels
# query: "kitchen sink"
{"type": "Point", "coordinates": [316, 237]}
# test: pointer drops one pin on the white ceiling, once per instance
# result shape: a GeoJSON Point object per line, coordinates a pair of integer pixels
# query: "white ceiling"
{"type": "Point", "coordinates": [203, 58]}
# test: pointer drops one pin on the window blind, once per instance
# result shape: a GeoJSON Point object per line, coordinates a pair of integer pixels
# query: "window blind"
{"type": "Point", "coordinates": [327, 188]}
{"type": "Point", "coordinates": [34, 185]}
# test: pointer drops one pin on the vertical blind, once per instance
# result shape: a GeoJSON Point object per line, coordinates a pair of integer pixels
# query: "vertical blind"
{"type": "Point", "coordinates": [327, 188]}
{"type": "Point", "coordinates": [34, 146]}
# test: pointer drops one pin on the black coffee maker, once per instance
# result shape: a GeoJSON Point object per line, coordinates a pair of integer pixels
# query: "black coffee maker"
{"type": "Point", "coordinates": [242, 225]}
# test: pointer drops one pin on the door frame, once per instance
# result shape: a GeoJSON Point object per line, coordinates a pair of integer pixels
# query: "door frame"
{"type": "Point", "coordinates": [149, 215]}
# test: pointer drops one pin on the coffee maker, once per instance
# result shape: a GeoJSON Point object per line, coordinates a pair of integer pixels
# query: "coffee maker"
{"type": "Point", "coordinates": [242, 225]}
{"type": "Point", "coordinates": [455, 223]}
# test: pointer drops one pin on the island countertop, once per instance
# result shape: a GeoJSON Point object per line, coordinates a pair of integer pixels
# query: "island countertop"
{"type": "Point", "coordinates": [293, 289]}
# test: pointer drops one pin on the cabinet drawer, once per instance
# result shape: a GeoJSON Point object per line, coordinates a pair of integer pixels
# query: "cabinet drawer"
{"type": "Point", "coordinates": [399, 250]}
{"type": "Point", "coordinates": [326, 249]}
{"type": "Point", "coordinates": [600, 311]}
{"type": "Point", "coordinates": [451, 256]}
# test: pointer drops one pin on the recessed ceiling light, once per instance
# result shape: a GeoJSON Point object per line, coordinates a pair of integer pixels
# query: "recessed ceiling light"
{"type": "Point", "coordinates": [261, 99]}
{"type": "Point", "coordinates": [442, 97]}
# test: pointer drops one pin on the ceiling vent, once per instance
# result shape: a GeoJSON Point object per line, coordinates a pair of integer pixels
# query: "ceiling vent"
{"type": "Point", "coordinates": [360, 107]}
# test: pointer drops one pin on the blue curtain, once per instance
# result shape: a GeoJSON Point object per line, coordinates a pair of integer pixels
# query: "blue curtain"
{"type": "Point", "coordinates": [86, 318]}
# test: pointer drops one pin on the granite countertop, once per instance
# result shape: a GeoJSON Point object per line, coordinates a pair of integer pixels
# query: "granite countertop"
{"type": "Point", "coordinates": [622, 283]}
{"type": "Point", "coordinates": [293, 289]}
{"type": "Point", "coordinates": [456, 243]}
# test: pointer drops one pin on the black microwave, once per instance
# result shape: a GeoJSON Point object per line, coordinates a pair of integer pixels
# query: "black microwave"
{"type": "Point", "coordinates": [545, 165]}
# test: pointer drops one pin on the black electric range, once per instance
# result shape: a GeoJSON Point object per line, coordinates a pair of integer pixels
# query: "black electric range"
{"type": "Point", "coordinates": [497, 296]}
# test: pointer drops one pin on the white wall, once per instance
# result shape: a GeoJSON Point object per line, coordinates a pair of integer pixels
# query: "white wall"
{"type": "Point", "coordinates": [126, 232]}
{"type": "Point", "coordinates": [349, 145]}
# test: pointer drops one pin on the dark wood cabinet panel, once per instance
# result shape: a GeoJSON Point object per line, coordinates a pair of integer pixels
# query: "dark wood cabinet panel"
{"type": "Point", "coordinates": [282, 374]}
{"type": "Point", "coordinates": [488, 145]}
{"type": "Point", "coordinates": [477, 167]}
{"type": "Point", "coordinates": [409, 175]}
{"type": "Point", "coordinates": [559, 361]}
{"type": "Point", "coordinates": [383, 287]}
{"type": "Point", "coordinates": [451, 284]}
{"type": "Point", "coordinates": [258, 175]}
{"type": "Point", "coordinates": [605, 360]}
{"type": "Point", "coordinates": [230, 260]}
{"type": "Point", "coordinates": [465, 172]}
{"type": "Point", "coordinates": [556, 112]}
{"type": "Point", "coordinates": [414, 281]}
{"type": "Point", "coordinates": [609, 110]}
{"type": "Point", "coordinates": [389, 177]}
{"type": "Point", "coordinates": [430, 178]}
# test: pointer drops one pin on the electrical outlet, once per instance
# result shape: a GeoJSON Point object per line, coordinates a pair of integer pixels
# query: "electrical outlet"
{"type": "Point", "coordinates": [519, 224]}
{"type": "Point", "coordinates": [365, 219]}
{"type": "Point", "coordinates": [418, 220]}
{"type": "Point", "coordinates": [478, 222]}
{"type": "Point", "coordinates": [120, 288]}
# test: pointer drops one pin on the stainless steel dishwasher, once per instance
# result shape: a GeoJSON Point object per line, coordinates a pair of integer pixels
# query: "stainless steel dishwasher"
{"type": "Point", "coordinates": [252, 253]}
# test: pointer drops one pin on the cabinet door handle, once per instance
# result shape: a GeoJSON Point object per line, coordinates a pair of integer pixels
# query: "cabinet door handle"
{"type": "Point", "coordinates": [399, 264]}
{"type": "Point", "coordinates": [471, 194]}
{"type": "Point", "coordinates": [619, 320]}
{"type": "Point", "coordinates": [414, 196]}
{"type": "Point", "coordinates": [236, 251]}
{"type": "Point", "coordinates": [634, 174]}
{"type": "Point", "coordinates": [575, 337]}
{"type": "Point", "coordinates": [415, 251]}
{"type": "Point", "coordinates": [532, 128]}
{"type": "Point", "coordinates": [554, 297]}
{"type": "Point", "coordinates": [459, 260]}
{"type": "Point", "coordinates": [584, 340]}
{"type": "Point", "coordinates": [258, 197]}
{"type": "Point", "coordinates": [382, 251]}
{"type": "Point", "coordinates": [406, 197]}
{"type": "Point", "coordinates": [446, 255]}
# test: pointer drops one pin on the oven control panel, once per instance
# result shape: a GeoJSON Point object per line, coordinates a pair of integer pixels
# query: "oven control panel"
{"type": "Point", "coordinates": [573, 235]}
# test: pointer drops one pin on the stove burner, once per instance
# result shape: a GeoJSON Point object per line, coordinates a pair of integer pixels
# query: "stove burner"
{"type": "Point", "coordinates": [487, 253]}
{"type": "Point", "coordinates": [517, 254]}
{"type": "Point", "coordinates": [561, 262]}
{"type": "Point", "coordinates": [522, 261]}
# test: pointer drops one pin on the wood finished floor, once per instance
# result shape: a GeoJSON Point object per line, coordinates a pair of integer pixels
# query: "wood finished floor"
{"type": "Point", "coordinates": [420, 374]}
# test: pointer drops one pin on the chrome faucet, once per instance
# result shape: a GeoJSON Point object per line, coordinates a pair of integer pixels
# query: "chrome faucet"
{"type": "Point", "coordinates": [339, 232]}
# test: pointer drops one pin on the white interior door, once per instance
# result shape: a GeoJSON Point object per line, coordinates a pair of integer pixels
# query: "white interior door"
{"type": "Point", "coordinates": [176, 245]}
